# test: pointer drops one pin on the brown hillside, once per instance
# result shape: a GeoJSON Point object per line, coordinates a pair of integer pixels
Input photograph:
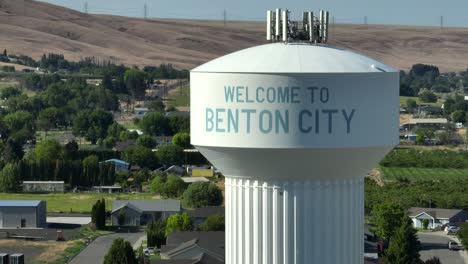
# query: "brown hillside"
{"type": "Point", "coordinates": [39, 28]}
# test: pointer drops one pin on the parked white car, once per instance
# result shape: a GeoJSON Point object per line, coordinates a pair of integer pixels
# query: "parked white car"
{"type": "Point", "coordinates": [148, 251]}
{"type": "Point", "coordinates": [452, 230]}
{"type": "Point", "coordinates": [452, 245]}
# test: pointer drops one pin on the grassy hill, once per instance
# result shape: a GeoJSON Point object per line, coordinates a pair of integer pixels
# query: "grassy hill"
{"type": "Point", "coordinates": [37, 28]}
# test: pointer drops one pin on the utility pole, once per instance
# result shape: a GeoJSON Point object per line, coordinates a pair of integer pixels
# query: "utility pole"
{"type": "Point", "coordinates": [225, 17]}
{"type": "Point", "coordinates": [333, 24]}
{"type": "Point", "coordinates": [145, 11]}
{"type": "Point", "coordinates": [86, 7]}
{"type": "Point", "coordinates": [365, 21]}
{"type": "Point", "coordinates": [441, 22]}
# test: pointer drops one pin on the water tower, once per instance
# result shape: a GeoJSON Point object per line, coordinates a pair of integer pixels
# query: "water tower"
{"type": "Point", "coordinates": [294, 125]}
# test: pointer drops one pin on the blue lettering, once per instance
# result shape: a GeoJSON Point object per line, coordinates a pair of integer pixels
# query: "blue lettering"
{"type": "Point", "coordinates": [330, 113]}
{"type": "Point", "coordinates": [247, 96]}
{"type": "Point", "coordinates": [258, 96]}
{"type": "Point", "coordinates": [209, 120]}
{"type": "Point", "coordinates": [312, 93]}
{"type": "Point", "coordinates": [271, 95]}
{"type": "Point", "coordinates": [348, 119]}
{"type": "Point", "coordinates": [295, 95]}
{"type": "Point", "coordinates": [229, 93]}
{"type": "Point", "coordinates": [239, 94]}
{"type": "Point", "coordinates": [284, 121]}
{"type": "Point", "coordinates": [219, 120]}
{"type": "Point", "coordinates": [262, 119]}
{"type": "Point", "coordinates": [233, 121]}
{"type": "Point", "coordinates": [248, 112]}
{"type": "Point", "coordinates": [324, 95]}
{"type": "Point", "coordinates": [301, 121]}
{"type": "Point", "coordinates": [283, 94]}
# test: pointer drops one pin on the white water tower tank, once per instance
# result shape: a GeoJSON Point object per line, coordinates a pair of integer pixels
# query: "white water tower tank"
{"type": "Point", "coordinates": [294, 127]}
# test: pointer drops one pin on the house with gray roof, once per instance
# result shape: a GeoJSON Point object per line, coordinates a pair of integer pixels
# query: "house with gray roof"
{"type": "Point", "coordinates": [22, 214]}
{"type": "Point", "coordinates": [141, 212]}
{"type": "Point", "coordinates": [436, 216]}
{"type": "Point", "coordinates": [199, 247]}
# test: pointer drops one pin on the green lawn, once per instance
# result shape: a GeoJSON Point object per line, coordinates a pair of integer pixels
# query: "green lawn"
{"type": "Point", "coordinates": [179, 96]}
{"type": "Point", "coordinates": [404, 98]}
{"type": "Point", "coordinates": [75, 202]}
{"type": "Point", "coordinates": [418, 174]}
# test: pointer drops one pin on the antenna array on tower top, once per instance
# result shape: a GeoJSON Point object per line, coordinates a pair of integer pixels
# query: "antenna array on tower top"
{"type": "Point", "coordinates": [313, 29]}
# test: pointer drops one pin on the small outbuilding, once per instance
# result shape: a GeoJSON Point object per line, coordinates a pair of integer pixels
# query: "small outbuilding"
{"type": "Point", "coordinates": [120, 165]}
{"type": "Point", "coordinates": [43, 186]}
{"type": "Point", "coordinates": [141, 212]}
{"type": "Point", "coordinates": [23, 214]}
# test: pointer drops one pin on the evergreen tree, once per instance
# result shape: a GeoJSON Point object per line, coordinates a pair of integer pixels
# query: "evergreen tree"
{"type": "Point", "coordinates": [404, 246]}
{"type": "Point", "coordinates": [121, 252]}
{"type": "Point", "coordinates": [155, 232]}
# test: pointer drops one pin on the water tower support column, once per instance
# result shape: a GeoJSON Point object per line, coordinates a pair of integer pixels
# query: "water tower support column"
{"type": "Point", "coordinates": [294, 222]}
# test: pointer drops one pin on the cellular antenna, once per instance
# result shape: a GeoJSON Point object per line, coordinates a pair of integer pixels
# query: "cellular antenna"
{"type": "Point", "coordinates": [280, 28]}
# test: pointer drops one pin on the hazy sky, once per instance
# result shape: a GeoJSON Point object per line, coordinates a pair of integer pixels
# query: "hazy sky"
{"type": "Point", "coordinates": [407, 12]}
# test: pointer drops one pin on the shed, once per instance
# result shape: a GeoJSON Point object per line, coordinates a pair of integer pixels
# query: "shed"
{"type": "Point", "coordinates": [119, 164]}
{"type": "Point", "coordinates": [43, 186]}
{"type": "Point", "coordinates": [22, 214]}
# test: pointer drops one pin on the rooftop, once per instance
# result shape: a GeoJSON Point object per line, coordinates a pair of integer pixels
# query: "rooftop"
{"type": "Point", "coordinates": [51, 182]}
{"type": "Point", "coordinates": [206, 211]}
{"type": "Point", "coordinates": [415, 121]}
{"type": "Point", "coordinates": [434, 212]}
{"type": "Point", "coordinates": [19, 203]}
{"type": "Point", "coordinates": [148, 205]}
{"type": "Point", "coordinates": [194, 179]}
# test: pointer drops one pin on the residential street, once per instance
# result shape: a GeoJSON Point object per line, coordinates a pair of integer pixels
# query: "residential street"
{"type": "Point", "coordinates": [435, 244]}
{"type": "Point", "coordinates": [94, 252]}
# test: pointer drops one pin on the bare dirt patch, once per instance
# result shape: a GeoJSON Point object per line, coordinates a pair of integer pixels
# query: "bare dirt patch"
{"type": "Point", "coordinates": [376, 175]}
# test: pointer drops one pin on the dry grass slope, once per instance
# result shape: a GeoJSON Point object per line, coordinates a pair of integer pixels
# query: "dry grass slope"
{"type": "Point", "coordinates": [42, 28]}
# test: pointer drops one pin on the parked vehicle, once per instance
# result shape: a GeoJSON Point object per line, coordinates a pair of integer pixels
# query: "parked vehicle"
{"type": "Point", "coordinates": [452, 230]}
{"type": "Point", "coordinates": [148, 251]}
{"type": "Point", "coordinates": [452, 245]}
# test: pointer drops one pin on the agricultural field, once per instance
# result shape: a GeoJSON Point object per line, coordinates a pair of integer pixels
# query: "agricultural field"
{"type": "Point", "coordinates": [75, 202]}
{"type": "Point", "coordinates": [179, 97]}
{"type": "Point", "coordinates": [423, 174]}
{"type": "Point", "coordinates": [404, 98]}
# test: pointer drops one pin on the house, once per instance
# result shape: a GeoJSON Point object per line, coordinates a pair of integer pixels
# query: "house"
{"type": "Point", "coordinates": [202, 247]}
{"type": "Point", "coordinates": [435, 123]}
{"type": "Point", "coordinates": [43, 186]}
{"type": "Point", "coordinates": [120, 165]}
{"type": "Point", "coordinates": [107, 189]}
{"type": "Point", "coordinates": [428, 110]}
{"type": "Point", "coordinates": [436, 216]}
{"type": "Point", "coordinates": [141, 212]}
{"type": "Point", "coordinates": [199, 215]}
{"type": "Point", "coordinates": [22, 214]}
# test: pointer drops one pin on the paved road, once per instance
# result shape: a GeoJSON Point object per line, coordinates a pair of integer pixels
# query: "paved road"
{"type": "Point", "coordinates": [94, 252]}
{"type": "Point", "coordinates": [435, 244]}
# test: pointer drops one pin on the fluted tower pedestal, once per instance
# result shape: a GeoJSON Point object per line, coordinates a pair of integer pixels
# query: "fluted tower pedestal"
{"type": "Point", "coordinates": [294, 222]}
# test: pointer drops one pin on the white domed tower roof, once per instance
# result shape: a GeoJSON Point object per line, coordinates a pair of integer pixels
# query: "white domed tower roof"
{"type": "Point", "coordinates": [294, 58]}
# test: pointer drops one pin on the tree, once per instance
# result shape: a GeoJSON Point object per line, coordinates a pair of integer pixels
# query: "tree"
{"type": "Point", "coordinates": [48, 150]}
{"type": "Point", "coordinates": [463, 235]}
{"type": "Point", "coordinates": [140, 156]}
{"type": "Point", "coordinates": [98, 214]}
{"type": "Point", "coordinates": [201, 194]}
{"type": "Point", "coordinates": [121, 217]}
{"type": "Point", "coordinates": [171, 155]}
{"type": "Point", "coordinates": [213, 223]}
{"type": "Point", "coordinates": [156, 233]}
{"type": "Point", "coordinates": [121, 252]}
{"type": "Point", "coordinates": [18, 120]}
{"type": "Point", "coordinates": [92, 124]}
{"type": "Point", "coordinates": [156, 106]}
{"type": "Point", "coordinates": [154, 124]}
{"type": "Point", "coordinates": [9, 92]}
{"type": "Point", "coordinates": [178, 124]}
{"type": "Point", "coordinates": [10, 178]}
{"type": "Point", "coordinates": [168, 187]}
{"type": "Point", "coordinates": [146, 141]}
{"type": "Point", "coordinates": [425, 223]}
{"type": "Point", "coordinates": [140, 255]}
{"type": "Point", "coordinates": [427, 96]}
{"type": "Point", "coordinates": [178, 222]}
{"type": "Point", "coordinates": [404, 246]}
{"type": "Point", "coordinates": [411, 105]}
{"type": "Point", "coordinates": [182, 140]}
{"type": "Point", "coordinates": [13, 151]}
{"type": "Point", "coordinates": [387, 218]}
{"type": "Point", "coordinates": [458, 116]}
{"type": "Point", "coordinates": [56, 95]}
{"type": "Point", "coordinates": [135, 82]}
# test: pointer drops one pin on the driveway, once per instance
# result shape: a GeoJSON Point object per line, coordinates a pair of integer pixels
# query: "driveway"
{"type": "Point", "coordinates": [95, 252]}
{"type": "Point", "coordinates": [435, 244]}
